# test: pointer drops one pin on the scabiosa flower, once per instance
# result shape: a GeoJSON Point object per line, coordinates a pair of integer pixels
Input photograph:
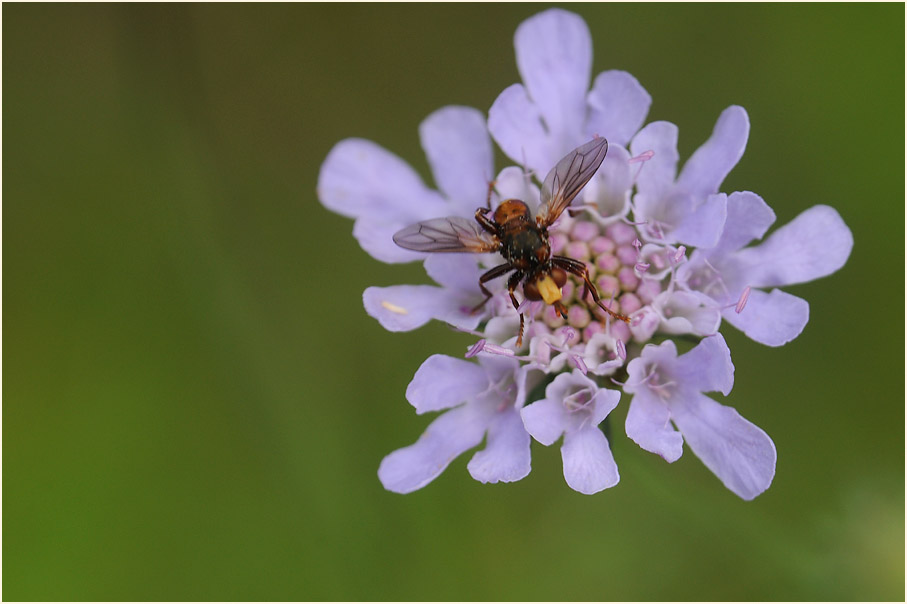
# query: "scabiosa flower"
{"type": "Point", "coordinates": [815, 244]}
{"type": "Point", "coordinates": [574, 406]}
{"type": "Point", "coordinates": [668, 388]}
{"type": "Point", "coordinates": [482, 399]}
{"type": "Point", "coordinates": [662, 246]}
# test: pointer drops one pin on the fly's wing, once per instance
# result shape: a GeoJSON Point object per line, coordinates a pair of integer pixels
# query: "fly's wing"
{"type": "Point", "coordinates": [451, 234]}
{"type": "Point", "coordinates": [567, 178]}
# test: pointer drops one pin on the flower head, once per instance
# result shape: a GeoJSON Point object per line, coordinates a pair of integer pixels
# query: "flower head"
{"type": "Point", "coordinates": [659, 246]}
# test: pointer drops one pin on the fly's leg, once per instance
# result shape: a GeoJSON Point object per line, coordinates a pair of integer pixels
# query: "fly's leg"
{"type": "Point", "coordinates": [497, 271]}
{"type": "Point", "coordinates": [579, 269]}
{"type": "Point", "coordinates": [485, 222]}
{"type": "Point", "coordinates": [512, 284]}
{"type": "Point", "coordinates": [491, 185]}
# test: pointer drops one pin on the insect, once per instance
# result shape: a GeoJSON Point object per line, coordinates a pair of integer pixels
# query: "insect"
{"type": "Point", "coordinates": [522, 241]}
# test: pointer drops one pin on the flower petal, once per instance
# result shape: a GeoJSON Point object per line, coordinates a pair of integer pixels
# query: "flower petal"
{"type": "Point", "coordinates": [707, 367]}
{"type": "Point", "coordinates": [459, 151]}
{"type": "Point", "coordinates": [737, 451]}
{"type": "Point", "coordinates": [513, 183]}
{"type": "Point", "coordinates": [360, 178]}
{"type": "Point", "coordinates": [703, 226]}
{"type": "Point", "coordinates": [459, 272]}
{"type": "Point", "coordinates": [773, 318]}
{"type": "Point", "coordinates": [442, 382]}
{"type": "Point", "coordinates": [814, 244]}
{"type": "Point", "coordinates": [684, 312]}
{"type": "Point", "coordinates": [710, 164]}
{"type": "Point", "coordinates": [516, 126]}
{"type": "Point", "coordinates": [505, 457]}
{"type": "Point", "coordinates": [656, 176]}
{"type": "Point", "coordinates": [618, 106]}
{"type": "Point", "coordinates": [588, 463]}
{"type": "Point", "coordinates": [748, 218]}
{"type": "Point", "coordinates": [554, 57]}
{"type": "Point", "coordinates": [406, 307]}
{"type": "Point", "coordinates": [609, 188]}
{"type": "Point", "coordinates": [649, 426]}
{"type": "Point", "coordinates": [376, 236]}
{"type": "Point", "coordinates": [545, 420]}
{"type": "Point", "coordinates": [411, 468]}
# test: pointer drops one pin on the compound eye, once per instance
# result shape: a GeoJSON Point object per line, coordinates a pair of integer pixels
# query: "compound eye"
{"type": "Point", "coordinates": [531, 291]}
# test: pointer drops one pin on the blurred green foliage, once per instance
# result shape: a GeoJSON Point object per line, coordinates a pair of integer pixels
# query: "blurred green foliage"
{"type": "Point", "coordinates": [196, 403]}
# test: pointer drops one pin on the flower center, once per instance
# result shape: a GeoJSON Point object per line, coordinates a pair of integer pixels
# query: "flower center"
{"type": "Point", "coordinates": [612, 256]}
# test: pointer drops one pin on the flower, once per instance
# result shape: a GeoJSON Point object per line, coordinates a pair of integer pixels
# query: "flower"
{"type": "Point", "coordinates": [553, 111]}
{"type": "Point", "coordinates": [482, 399]}
{"type": "Point", "coordinates": [364, 181]}
{"type": "Point", "coordinates": [677, 269]}
{"type": "Point", "coordinates": [814, 244]}
{"type": "Point", "coordinates": [574, 406]}
{"type": "Point", "coordinates": [668, 388]}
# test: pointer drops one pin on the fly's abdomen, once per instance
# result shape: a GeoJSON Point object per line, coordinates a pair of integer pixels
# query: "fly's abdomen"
{"type": "Point", "coordinates": [525, 247]}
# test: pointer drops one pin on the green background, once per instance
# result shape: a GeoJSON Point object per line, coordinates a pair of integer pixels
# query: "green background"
{"type": "Point", "coordinates": [196, 402]}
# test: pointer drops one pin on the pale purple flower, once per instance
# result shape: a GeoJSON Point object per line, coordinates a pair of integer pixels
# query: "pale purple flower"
{"type": "Point", "coordinates": [553, 110]}
{"type": "Point", "coordinates": [481, 399]}
{"type": "Point", "coordinates": [814, 244]}
{"type": "Point", "coordinates": [668, 389]}
{"type": "Point", "coordinates": [574, 406]}
{"type": "Point", "coordinates": [686, 208]}
{"type": "Point", "coordinates": [678, 268]}
{"type": "Point", "coordinates": [364, 181]}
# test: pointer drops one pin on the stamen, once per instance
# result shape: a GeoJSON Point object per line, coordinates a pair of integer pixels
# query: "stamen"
{"type": "Point", "coordinates": [678, 255]}
{"type": "Point", "coordinates": [486, 346]}
{"type": "Point", "coordinates": [741, 303]}
{"type": "Point", "coordinates": [621, 350]}
{"type": "Point", "coordinates": [643, 157]}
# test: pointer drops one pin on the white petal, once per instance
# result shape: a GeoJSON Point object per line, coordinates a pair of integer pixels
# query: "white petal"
{"type": "Point", "coordinates": [588, 463]}
{"type": "Point", "coordinates": [656, 176]}
{"type": "Point", "coordinates": [684, 312]}
{"type": "Point", "coordinates": [406, 307]}
{"type": "Point", "coordinates": [545, 420]}
{"type": "Point", "coordinates": [609, 188]}
{"type": "Point", "coordinates": [710, 164]}
{"type": "Point", "coordinates": [554, 56]}
{"type": "Point", "coordinates": [738, 452]}
{"type": "Point", "coordinates": [505, 457]}
{"type": "Point", "coordinates": [360, 178]}
{"type": "Point", "coordinates": [618, 106]}
{"type": "Point", "coordinates": [649, 425]}
{"type": "Point", "coordinates": [459, 151]}
{"type": "Point", "coordinates": [748, 218]}
{"type": "Point", "coordinates": [516, 126]}
{"type": "Point", "coordinates": [773, 318]}
{"type": "Point", "coordinates": [707, 367]}
{"type": "Point", "coordinates": [703, 226]}
{"type": "Point", "coordinates": [814, 244]}
{"type": "Point", "coordinates": [411, 468]}
{"type": "Point", "coordinates": [442, 382]}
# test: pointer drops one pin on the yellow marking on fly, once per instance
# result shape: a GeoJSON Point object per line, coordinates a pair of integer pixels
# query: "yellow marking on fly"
{"type": "Point", "coordinates": [394, 308]}
{"type": "Point", "coordinates": [548, 289]}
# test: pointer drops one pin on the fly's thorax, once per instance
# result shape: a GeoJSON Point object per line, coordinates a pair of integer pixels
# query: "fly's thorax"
{"type": "Point", "coordinates": [512, 211]}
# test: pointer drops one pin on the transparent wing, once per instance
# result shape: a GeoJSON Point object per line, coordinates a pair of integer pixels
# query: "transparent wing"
{"type": "Point", "coordinates": [451, 234]}
{"type": "Point", "coordinates": [568, 177]}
